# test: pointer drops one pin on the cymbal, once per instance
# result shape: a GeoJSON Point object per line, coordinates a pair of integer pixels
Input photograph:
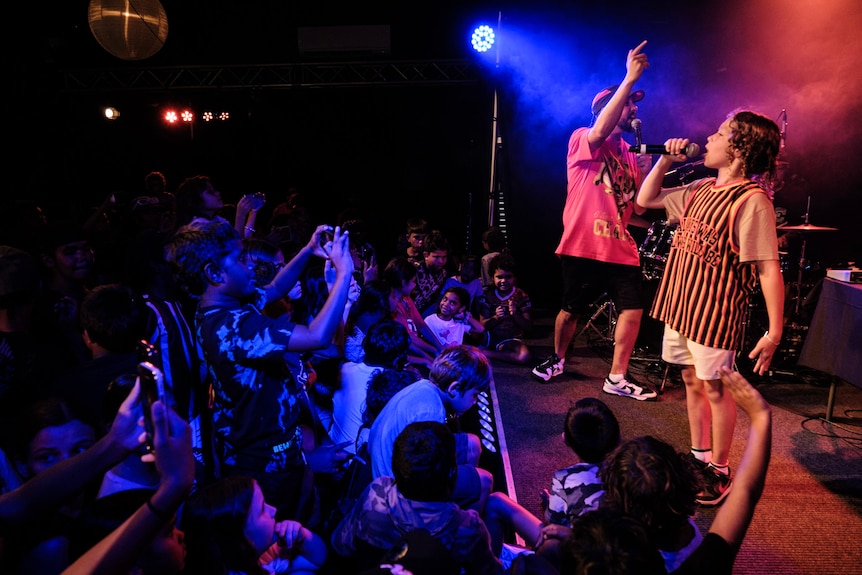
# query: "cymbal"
{"type": "Point", "coordinates": [804, 228]}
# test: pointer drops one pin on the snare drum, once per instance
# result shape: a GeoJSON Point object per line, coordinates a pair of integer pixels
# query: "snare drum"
{"type": "Point", "coordinates": [655, 248]}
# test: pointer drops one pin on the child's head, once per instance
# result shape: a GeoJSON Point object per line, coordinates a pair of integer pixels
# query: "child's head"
{"type": "Point", "coordinates": [66, 251]}
{"type": "Point", "coordinates": [647, 478]}
{"type": "Point", "coordinates": [373, 300]}
{"type": "Point", "coordinates": [113, 318]}
{"type": "Point", "coordinates": [227, 525]}
{"type": "Point", "coordinates": [493, 239]}
{"type": "Point", "coordinates": [436, 251]}
{"type": "Point", "coordinates": [198, 252]}
{"type": "Point", "coordinates": [417, 229]}
{"type": "Point", "coordinates": [468, 269]}
{"type": "Point", "coordinates": [612, 543]}
{"type": "Point", "coordinates": [462, 372]}
{"type": "Point", "coordinates": [382, 385]}
{"type": "Point", "coordinates": [386, 343]}
{"type": "Point", "coordinates": [400, 273]}
{"type": "Point", "coordinates": [264, 257]}
{"type": "Point", "coordinates": [51, 430]}
{"type": "Point", "coordinates": [454, 301]}
{"type": "Point", "coordinates": [591, 429]}
{"type": "Point", "coordinates": [757, 139]}
{"type": "Point", "coordinates": [197, 197]}
{"type": "Point", "coordinates": [423, 461]}
{"type": "Point", "coordinates": [502, 270]}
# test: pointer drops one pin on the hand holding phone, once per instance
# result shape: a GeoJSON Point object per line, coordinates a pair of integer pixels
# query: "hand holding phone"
{"type": "Point", "coordinates": [152, 390]}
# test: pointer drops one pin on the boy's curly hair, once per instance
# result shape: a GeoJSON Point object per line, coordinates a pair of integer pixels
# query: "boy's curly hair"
{"type": "Point", "coordinates": [196, 245]}
{"type": "Point", "coordinates": [758, 140]}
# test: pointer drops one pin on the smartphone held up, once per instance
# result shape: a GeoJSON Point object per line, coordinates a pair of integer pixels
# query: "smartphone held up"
{"type": "Point", "coordinates": [152, 390]}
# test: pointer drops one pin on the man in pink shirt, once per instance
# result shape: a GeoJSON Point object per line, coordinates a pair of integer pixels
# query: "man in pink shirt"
{"type": "Point", "coordinates": [596, 251]}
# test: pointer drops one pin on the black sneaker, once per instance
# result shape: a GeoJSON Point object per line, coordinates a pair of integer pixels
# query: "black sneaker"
{"type": "Point", "coordinates": [551, 367]}
{"type": "Point", "coordinates": [716, 486]}
{"type": "Point", "coordinates": [700, 465]}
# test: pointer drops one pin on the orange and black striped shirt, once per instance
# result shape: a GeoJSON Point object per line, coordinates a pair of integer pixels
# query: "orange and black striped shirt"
{"type": "Point", "coordinates": [705, 288]}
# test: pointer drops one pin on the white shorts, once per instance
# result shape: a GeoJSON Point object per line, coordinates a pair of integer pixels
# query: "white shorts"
{"type": "Point", "coordinates": [679, 350]}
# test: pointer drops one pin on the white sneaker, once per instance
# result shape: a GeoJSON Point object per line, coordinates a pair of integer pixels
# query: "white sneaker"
{"type": "Point", "coordinates": [625, 388]}
{"type": "Point", "coordinates": [551, 367]}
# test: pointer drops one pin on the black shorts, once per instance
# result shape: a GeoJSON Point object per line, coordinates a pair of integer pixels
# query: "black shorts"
{"type": "Point", "coordinates": [585, 280]}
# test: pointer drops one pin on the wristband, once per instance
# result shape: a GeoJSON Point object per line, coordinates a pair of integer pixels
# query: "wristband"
{"type": "Point", "coordinates": [163, 515]}
{"type": "Point", "coordinates": [766, 335]}
{"type": "Point", "coordinates": [249, 229]}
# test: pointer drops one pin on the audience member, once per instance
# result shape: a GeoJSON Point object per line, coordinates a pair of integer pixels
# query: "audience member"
{"type": "Point", "coordinates": [412, 243]}
{"type": "Point", "coordinates": [48, 490]}
{"type": "Point", "coordinates": [49, 431]}
{"type": "Point", "coordinates": [256, 412]}
{"type": "Point", "coordinates": [494, 243]}
{"type": "Point", "coordinates": [126, 544]}
{"type": "Point", "coordinates": [112, 323]}
{"type": "Point", "coordinates": [453, 319]}
{"type": "Point", "coordinates": [386, 346]}
{"type": "Point", "coordinates": [371, 306]}
{"type": "Point", "coordinates": [400, 274]}
{"type": "Point", "coordinates": [230, 528]}
{"type": "Point", "coordinates": [608, 542]}
{"type": "Point", "coordinates": [431, 272]}
{"type": "Point", "coordinates": [467, 277]}
{"type": "Point", "coordinates": [417, 495]}
{"type": "Point", "coordinates": [506, 312]}
{"type": "Point", "coordinates": [457, 377]}
{"type": "Point", "coordinates": [646, 478]}
{"type": "Point", "coordinates": [197, 199]}
{"type": "Point", "coordinates": [591, 431]}
{"type": "Point", "coordinates": [68, 262]}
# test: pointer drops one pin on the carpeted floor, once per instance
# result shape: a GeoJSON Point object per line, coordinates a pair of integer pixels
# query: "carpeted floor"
{"type": "Point", "coordinates": [809, 520]}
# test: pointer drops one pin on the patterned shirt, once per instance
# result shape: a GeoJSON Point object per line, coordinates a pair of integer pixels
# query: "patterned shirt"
{"type": "Point", "coordinates": [382, 516]}
{"type": "Point", "coordinates": [574, 491]}
{"type": "Point", "coordinates": [710, 276]}
{"type": "Point", "coordinates": [256, 411]}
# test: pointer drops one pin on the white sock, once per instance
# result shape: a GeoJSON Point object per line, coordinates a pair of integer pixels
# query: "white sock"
{"type": "Point", "coordinates": [704, 455]}
{"type": "Point", "coordinates": [616, 377]}
{"type": "Point", "coordinates": [723, 469]}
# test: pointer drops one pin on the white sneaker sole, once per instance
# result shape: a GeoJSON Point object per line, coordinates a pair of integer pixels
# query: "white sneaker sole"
{"type": "Point", "coordinates": [614, 391]}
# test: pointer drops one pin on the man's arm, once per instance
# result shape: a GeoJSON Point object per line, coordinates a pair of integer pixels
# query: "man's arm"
{"type": "Point", "coordinates": [733, 518]}
{"type": "Point", "coordinates": [609, 117]}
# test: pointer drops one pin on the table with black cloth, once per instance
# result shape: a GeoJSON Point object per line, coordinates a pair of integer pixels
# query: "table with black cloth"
{"type": "Point", "coordinates": [833, 344]}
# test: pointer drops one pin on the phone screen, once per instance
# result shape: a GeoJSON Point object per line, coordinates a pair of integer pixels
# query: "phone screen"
{"type": "Point", "coordinates": [152, 390]}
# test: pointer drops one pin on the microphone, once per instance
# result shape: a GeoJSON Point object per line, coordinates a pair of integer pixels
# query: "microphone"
{"type": "Point", "coordinates": [691, 150]}
{"type": "Point", "coordinates": [636, 126]}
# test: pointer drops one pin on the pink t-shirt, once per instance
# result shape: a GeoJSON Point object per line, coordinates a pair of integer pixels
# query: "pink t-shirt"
{"type": "Point", "coordinates": [599, 201]}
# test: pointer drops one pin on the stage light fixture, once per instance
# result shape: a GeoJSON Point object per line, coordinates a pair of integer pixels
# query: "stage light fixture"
{"type": "Point", "coordinates": [171, 117]}
{"type": "Point", "coordinates": [188, 116]}
{"type": "Point", "coordinates": [224, 116]}
{"type": "Point", "coordinates": [207, 116]}
{"type": "Point", "coordinates": [483, 38]}
{"type": "Point", "coordinates": [111, 113]}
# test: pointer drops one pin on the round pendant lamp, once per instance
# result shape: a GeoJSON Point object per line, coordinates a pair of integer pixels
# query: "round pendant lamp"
{"type": "Point", "coordinates": [129, 29]}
